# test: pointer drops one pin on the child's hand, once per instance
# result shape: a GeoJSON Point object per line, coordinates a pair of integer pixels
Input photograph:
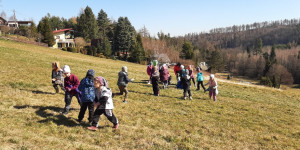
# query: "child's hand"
{"type": "Point", "coordinates": [132, 79]}
{"type": "Point", "coordinates": [68, 89]}
{"type": "Point", "coordinates": [53, 79]}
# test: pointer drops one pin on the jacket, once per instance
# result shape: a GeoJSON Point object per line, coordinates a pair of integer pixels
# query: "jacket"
{"type": "Point", "coordinates": [186, 81]}
{"type": "Point", "coordinates": [123, 79]}
{"type": "Point", "coordinates": [149, 70]}
{"type": "Point", "coordinates": [199, 76]}
{"type": "Point", "coordinates": [71, 82]}
{"type": "Point", "coordinates": [164, 74]}
{"type": "Point", "coordinates": [176, 69]}
{"type": "Point", "coordinates": [57, 75]}
{"type": "Point", "coordinates": [87, 89]}
{"type": "Point", "coordinates": [104, 97]}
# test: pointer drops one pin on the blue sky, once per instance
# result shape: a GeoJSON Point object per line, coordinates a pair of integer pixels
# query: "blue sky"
{"type": "Point", "coordinates": [177, 17]}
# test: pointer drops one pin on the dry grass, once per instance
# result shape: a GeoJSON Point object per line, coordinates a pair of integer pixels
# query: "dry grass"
{"type": "Point", "coordinates": [243, 118]}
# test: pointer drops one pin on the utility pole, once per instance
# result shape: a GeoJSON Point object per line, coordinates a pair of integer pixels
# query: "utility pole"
{"type": "Point", "coordinates": [15, 17]}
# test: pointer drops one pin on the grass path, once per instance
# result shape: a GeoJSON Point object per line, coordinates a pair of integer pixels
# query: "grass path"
{"type": "Point", "coordinates": [244, 117]}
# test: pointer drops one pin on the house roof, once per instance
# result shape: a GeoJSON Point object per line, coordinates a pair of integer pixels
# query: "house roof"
{"type": "Point", "coordinates": [3, 19]}
{"type": "Point", "coordinates": [62, 30]}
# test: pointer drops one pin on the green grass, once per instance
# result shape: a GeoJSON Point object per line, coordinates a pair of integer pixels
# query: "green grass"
{"type": "Point", "coordinates": [242, 118]}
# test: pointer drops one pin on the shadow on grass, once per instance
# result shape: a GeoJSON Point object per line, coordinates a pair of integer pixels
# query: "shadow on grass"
{"type": "Point", "coordinates": [151, 94]}
{"type": "Point", "coordinates": [50, 117]}
{"type": "Point", "coordinates": [38, 92]}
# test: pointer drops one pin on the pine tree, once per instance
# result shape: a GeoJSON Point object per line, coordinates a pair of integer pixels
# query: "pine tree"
{"type": "Point", "coordinates": [33, 29]}
{"type": "Point", "coordinates": [87, 25]}
{"type": "Point", "coordinates": [188, 50]}
{"type": "Point", "coordinates": [216, 61]}
{"type": "Point", "coordinates": [137, 54]}
{"type": "Point", "coordinates": [103, 23]}
{"type": "Point", "coordinates": [106, 47]}
{"type": "Point", "coordinates": [124, 34]}
{"type": "Point", "coordinates": [258, 46]}
{"type": "Point", "coordinates": [45, 29]}
{"type": "Point", "coordinates": [273, 55]}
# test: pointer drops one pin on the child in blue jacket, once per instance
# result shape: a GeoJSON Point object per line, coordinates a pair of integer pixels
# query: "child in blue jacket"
{"type": "Point", "coordinates": [87, 90]}
{"type": "Point", "coordinates": [200, 79]}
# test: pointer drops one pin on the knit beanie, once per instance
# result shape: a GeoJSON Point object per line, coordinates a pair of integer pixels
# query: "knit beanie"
{"type": "Point", "coordinates": [66, 69]}
{"type": "Point", "coordinates": [124, 68]}
{"type": "Point", "coordinates": [212, 76]}
{"type": "Point", "coordinates": [90, 73]}
{"type": "Point", "coordinates": [99, 78]}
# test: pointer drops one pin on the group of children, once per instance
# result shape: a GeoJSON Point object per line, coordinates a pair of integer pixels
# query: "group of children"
{"type": "Point", "coordinates": [184, 78]}
{"type": "Point", "coordinates": [92, 93]}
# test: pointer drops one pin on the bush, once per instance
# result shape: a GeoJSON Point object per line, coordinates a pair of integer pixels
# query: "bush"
{"type": "Point", "coordinates": [64, 49]}
{"type": "Point", "coordinates": [266, 81]}
{"type": "Point", "coordinates": [72, 49]}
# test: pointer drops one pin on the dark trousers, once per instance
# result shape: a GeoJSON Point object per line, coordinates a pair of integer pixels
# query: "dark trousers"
{"type": "Point", "coordinates": [56, 87]}
{"type": "Point", "coordinates": [187, 90]}
{"type": "Point", "coordinates": [155, 86]}
{"type": "Point", "coordinates": [193, 79]}
{"type": "Point", "coordinates": [108, 113]}
{"type": "Point", "coordinates": [84, 106]}
{"type": "Point", "coordinates": [68, 100]}
{"type": "Point", "coordinates": [198, 85]}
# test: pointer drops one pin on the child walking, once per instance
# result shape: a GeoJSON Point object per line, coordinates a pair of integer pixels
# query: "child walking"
{"type": "Point", "coordinates": [213, 90]}
{"type": "Point", "coordinates": [71, 83]}
{"type": "Point", "coordinates": [164, 75]}
{"type": "Point", "coordinates": [123, 82]}
{"type": "Point", "coordinates": [104, 105]}
{"type": "Point", "coordinates": [149, 70]}
{"type": "Point", "coordinates": [186, 82]}
{"type": "Point", "coordinates": [57, 77]}
{"type": "Point", "coordinates": [87, 89]}
{"type": "Point", "coordinates": [154, 80]}
{"type": "Point", "coordinates": [200, 79]}
{"type": "Point", "coordinates": [191, 73]}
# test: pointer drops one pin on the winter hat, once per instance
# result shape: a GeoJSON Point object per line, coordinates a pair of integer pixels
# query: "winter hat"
{"type": "Point", "coordinates": [178, 64]}
{"type": "Point", "coordinates": [190, 67]}
{"type": "Point", "coordinates": [181, 67]}
{"type": "Point", "coordinates": [198, 69]}
{"type": "Point", "coordinates": [212, 76]}
{"type": "Point", "coordinates": [66, 69]}
{"type": "Point", "coordinates": [90, 72]}
{"type": "Point", "coordinates": [124, 68]}
{"type": "Point", "coordinates": [151, 63]}
{"type": "Point", "coordinates": [99, 78]}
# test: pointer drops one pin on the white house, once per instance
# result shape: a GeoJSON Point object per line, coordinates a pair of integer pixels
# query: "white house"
{"type": "Point", "coordinates": [64, 38]}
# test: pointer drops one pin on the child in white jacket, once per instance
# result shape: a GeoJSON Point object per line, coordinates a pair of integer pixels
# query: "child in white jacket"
{"type": "Point", "coordinates": [104, 105]}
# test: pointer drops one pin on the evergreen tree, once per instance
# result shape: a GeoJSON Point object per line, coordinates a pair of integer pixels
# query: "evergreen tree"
{"type": "Point", "coordinates": [99, 48]}
{"type": "Point", "coordinates": [45, 29]}
{"type": "Point", "coordinates": [33, 29]}
{"type": "Point", "coordinates": [188, 50]}
{"type": "Point", "coordinates": [56, 22]}
{"type": "Point", "coordinates": [216, 61]}
{"type": "Point", "coordinates": [248, 51]}
{"type": "Point", "coordinates": [103, 23]}
{"type": "Point", "coordinates": [124, 34]}
{"type": "Point", "coordinates": [273, 55]}
{"type": "Point", "coordinates": [258, 46]}
{"type": "Point", "coordinates": [87, 25]}
{"type": "Point", "coordinates": [137, 54]}
{"type": "Point", "coordinates": [106, 47]}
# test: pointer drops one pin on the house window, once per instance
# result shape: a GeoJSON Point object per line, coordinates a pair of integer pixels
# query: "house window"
{"type": "Point", "coordinates": [59, 45]}
{"type": "Point", "coordinates": [57, 37]}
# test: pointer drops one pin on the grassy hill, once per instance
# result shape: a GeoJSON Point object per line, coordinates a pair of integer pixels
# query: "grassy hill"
{"type": "Point", "coordinates": [242, 118]}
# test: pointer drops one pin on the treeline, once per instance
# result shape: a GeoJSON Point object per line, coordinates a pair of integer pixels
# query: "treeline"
{"type": "Point", "coordinates": [276, 32]}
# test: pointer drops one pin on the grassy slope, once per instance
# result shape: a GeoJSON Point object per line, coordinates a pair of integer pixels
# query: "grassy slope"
{"type": "Point", "coordinates": [243, 118]}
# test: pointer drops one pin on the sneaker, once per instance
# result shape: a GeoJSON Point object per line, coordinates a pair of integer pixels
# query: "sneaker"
{"type": "Point", "coordinates": [65, 112]}
{"type": "Point", "coordinates": [190, 98]}
{"type": "Point", "coordinates": [184, 98]}
{"type": "Point", "coordinates": [93, 128]}
{"type": "Point", "coordinates": [124, 101]}
{"type": "Point", "coordinates": [116, 126]}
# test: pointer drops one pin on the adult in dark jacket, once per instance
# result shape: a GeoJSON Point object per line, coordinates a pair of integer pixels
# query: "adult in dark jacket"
{"type": "Point", "coordinates": [123, 81]}
{"type": "Point", "coordinates": [87, 90]}
{"type": "Point", "coordinates": [71, 84]}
